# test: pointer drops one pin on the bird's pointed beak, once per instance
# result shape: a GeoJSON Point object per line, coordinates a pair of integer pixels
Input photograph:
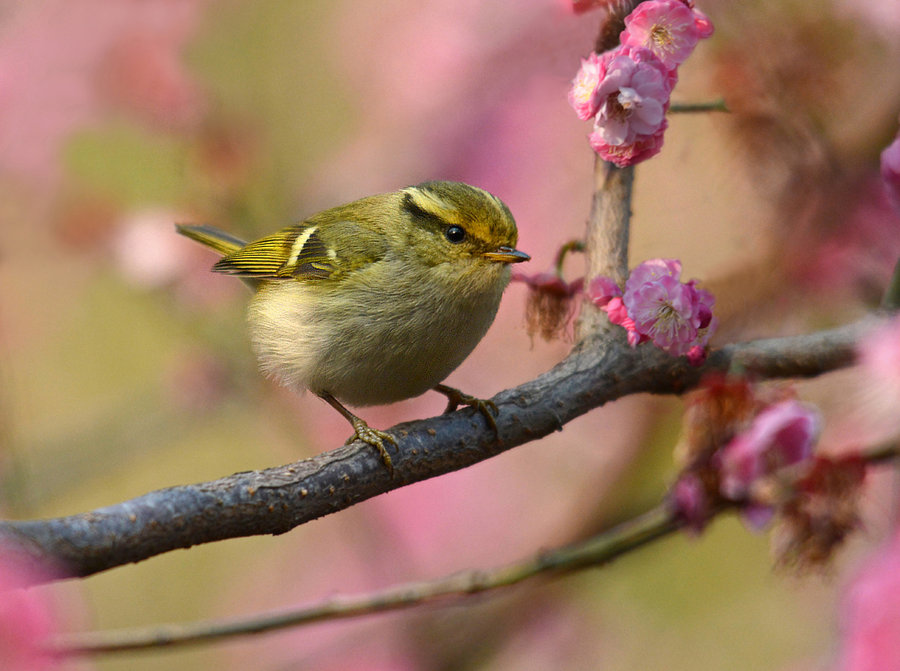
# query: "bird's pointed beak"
{"type": "Point", "coordinates": [507, 255]}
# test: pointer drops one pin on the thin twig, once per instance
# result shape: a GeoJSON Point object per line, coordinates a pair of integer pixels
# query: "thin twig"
{"type": "Point", "coordinates": [882, 453]}
{"type": "Point", "coordinates": [564, 251]}
{"type": "Point", "coordinates": [717, 105]}
{"type": "Point", "coordinates": [598, 550]}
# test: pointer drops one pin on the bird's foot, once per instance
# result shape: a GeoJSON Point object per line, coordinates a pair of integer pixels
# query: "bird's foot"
{"type": "Point", "coordinates": [364, 432]}
{"type": "Point", "coordinates": [456, 398]}
{"type": "Point", "coordinates": [375, 438]}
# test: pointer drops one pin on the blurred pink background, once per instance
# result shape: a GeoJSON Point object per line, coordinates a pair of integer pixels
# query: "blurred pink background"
{"type": "Point", "coordinates": [124, 364]}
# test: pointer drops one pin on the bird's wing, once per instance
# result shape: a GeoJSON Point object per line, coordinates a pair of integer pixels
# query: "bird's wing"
{"type": "Point", "coordinates": [295, 252]}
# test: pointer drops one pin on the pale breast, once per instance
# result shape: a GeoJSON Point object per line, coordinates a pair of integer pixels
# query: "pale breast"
{"type": "Point", "coordinates": [357, 344]}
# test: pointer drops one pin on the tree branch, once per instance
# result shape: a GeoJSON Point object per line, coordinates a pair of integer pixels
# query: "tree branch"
{"type": "Point", "coordinates": [275, 500]}
{"type": "Point", "coordinates": [606, 241]}
{"type": "Point", "coordinates": [598, 550]}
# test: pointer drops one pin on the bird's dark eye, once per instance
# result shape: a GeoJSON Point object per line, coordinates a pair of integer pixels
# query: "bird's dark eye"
{"type": "Point", "coordinates": [455, 234]}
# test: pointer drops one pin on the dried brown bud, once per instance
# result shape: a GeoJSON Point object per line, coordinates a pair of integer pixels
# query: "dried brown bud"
{"type": "Point", "coordinates": [823, 511]}
{"type": "Point", "coordinates": [550, 303]}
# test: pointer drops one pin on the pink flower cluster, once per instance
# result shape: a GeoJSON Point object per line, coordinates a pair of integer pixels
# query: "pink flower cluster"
{"type": "Point", "coordinates": [626, 90]}
{"type": "Point", "coordinates": [657, 306]}
{"type": "Point", "coordinates": [735, 438]}
{"type": "Point", "coordinates": [781, 435]}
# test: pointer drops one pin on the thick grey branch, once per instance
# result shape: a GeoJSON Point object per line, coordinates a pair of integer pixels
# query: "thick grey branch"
{"type": "Point", "coordinates": [275, 500]}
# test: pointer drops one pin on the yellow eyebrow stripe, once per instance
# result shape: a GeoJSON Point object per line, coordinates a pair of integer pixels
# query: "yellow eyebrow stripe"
{"type": "Point", "coordinates": [429, 202]}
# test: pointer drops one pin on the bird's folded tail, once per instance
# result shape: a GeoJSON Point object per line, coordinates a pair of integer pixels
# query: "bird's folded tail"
{"type": "Point", "coordinates": [222, 242]}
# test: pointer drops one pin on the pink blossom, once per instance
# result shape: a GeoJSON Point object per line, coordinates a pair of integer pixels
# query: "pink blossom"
{"type": "Point", "coordinates": [703, 317]}
{"type": "Point", "coordinates": [879, 355]}
{"type": "Point", "coordinates": [696, 355]}
{"type": "Point", "coordinates": [615, 310]}
{"type": "Point", "coordinates": [629, 154]}
{"type": "Point", "coordinates": [781, 435]}
{"type": "Point", "coordinates": [602, 289]}
{"type": "Point", "coordinates": [650, 271]}
{"type": "Point", "coordinates": [669, 28]}
{"type": "Point", "coordinates": [626, 90]}
{"type": "Point", "coordinates": [583, 94]}
{"type": "Point", "coordinates": [657, 306]}
{"type": "Point", "coordinates": [690, 502]}
{"type": "Point", "coordinates": [676, 316]}
{"type": "Point", "coordinates": [703, 24]}
{"type": "Point", "coordinates": [607, 295]}
{"type": "Point", "coordinates": [628, 102]}
{"type": "Point", "coordinates": [633, 96]}
{"type": "Point", "coordinates": [663, 310]}
{"type": "Point", "coordinates": [871, 616]}
{"type": "Point", "coordinates": [890, 172]}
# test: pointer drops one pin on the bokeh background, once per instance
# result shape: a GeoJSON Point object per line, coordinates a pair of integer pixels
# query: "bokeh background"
{"type": "Point", "coordinates": [124, 364]}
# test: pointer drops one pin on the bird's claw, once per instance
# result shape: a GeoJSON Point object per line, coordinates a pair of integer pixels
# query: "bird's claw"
{"type": "Point", "coordinates": [375, 438]}
{"type": "Point", "coordinates": [456, 398]}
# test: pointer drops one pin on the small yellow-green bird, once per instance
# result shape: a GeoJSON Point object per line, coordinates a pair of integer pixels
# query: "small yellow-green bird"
{"type": "Point", "coordinates": [378, 300]}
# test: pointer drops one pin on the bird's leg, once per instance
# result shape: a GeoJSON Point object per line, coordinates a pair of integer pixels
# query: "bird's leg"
{"type": "Point", "coordinates": [362, 431]}
{"type": "Point", "coordinates": [455, 398]}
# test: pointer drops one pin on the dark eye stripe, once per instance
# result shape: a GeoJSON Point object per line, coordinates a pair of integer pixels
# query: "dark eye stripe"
{"type": "Point", "coordinates": [417, 212]}
{"type": "Point", "coordinates": [454, 233]}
